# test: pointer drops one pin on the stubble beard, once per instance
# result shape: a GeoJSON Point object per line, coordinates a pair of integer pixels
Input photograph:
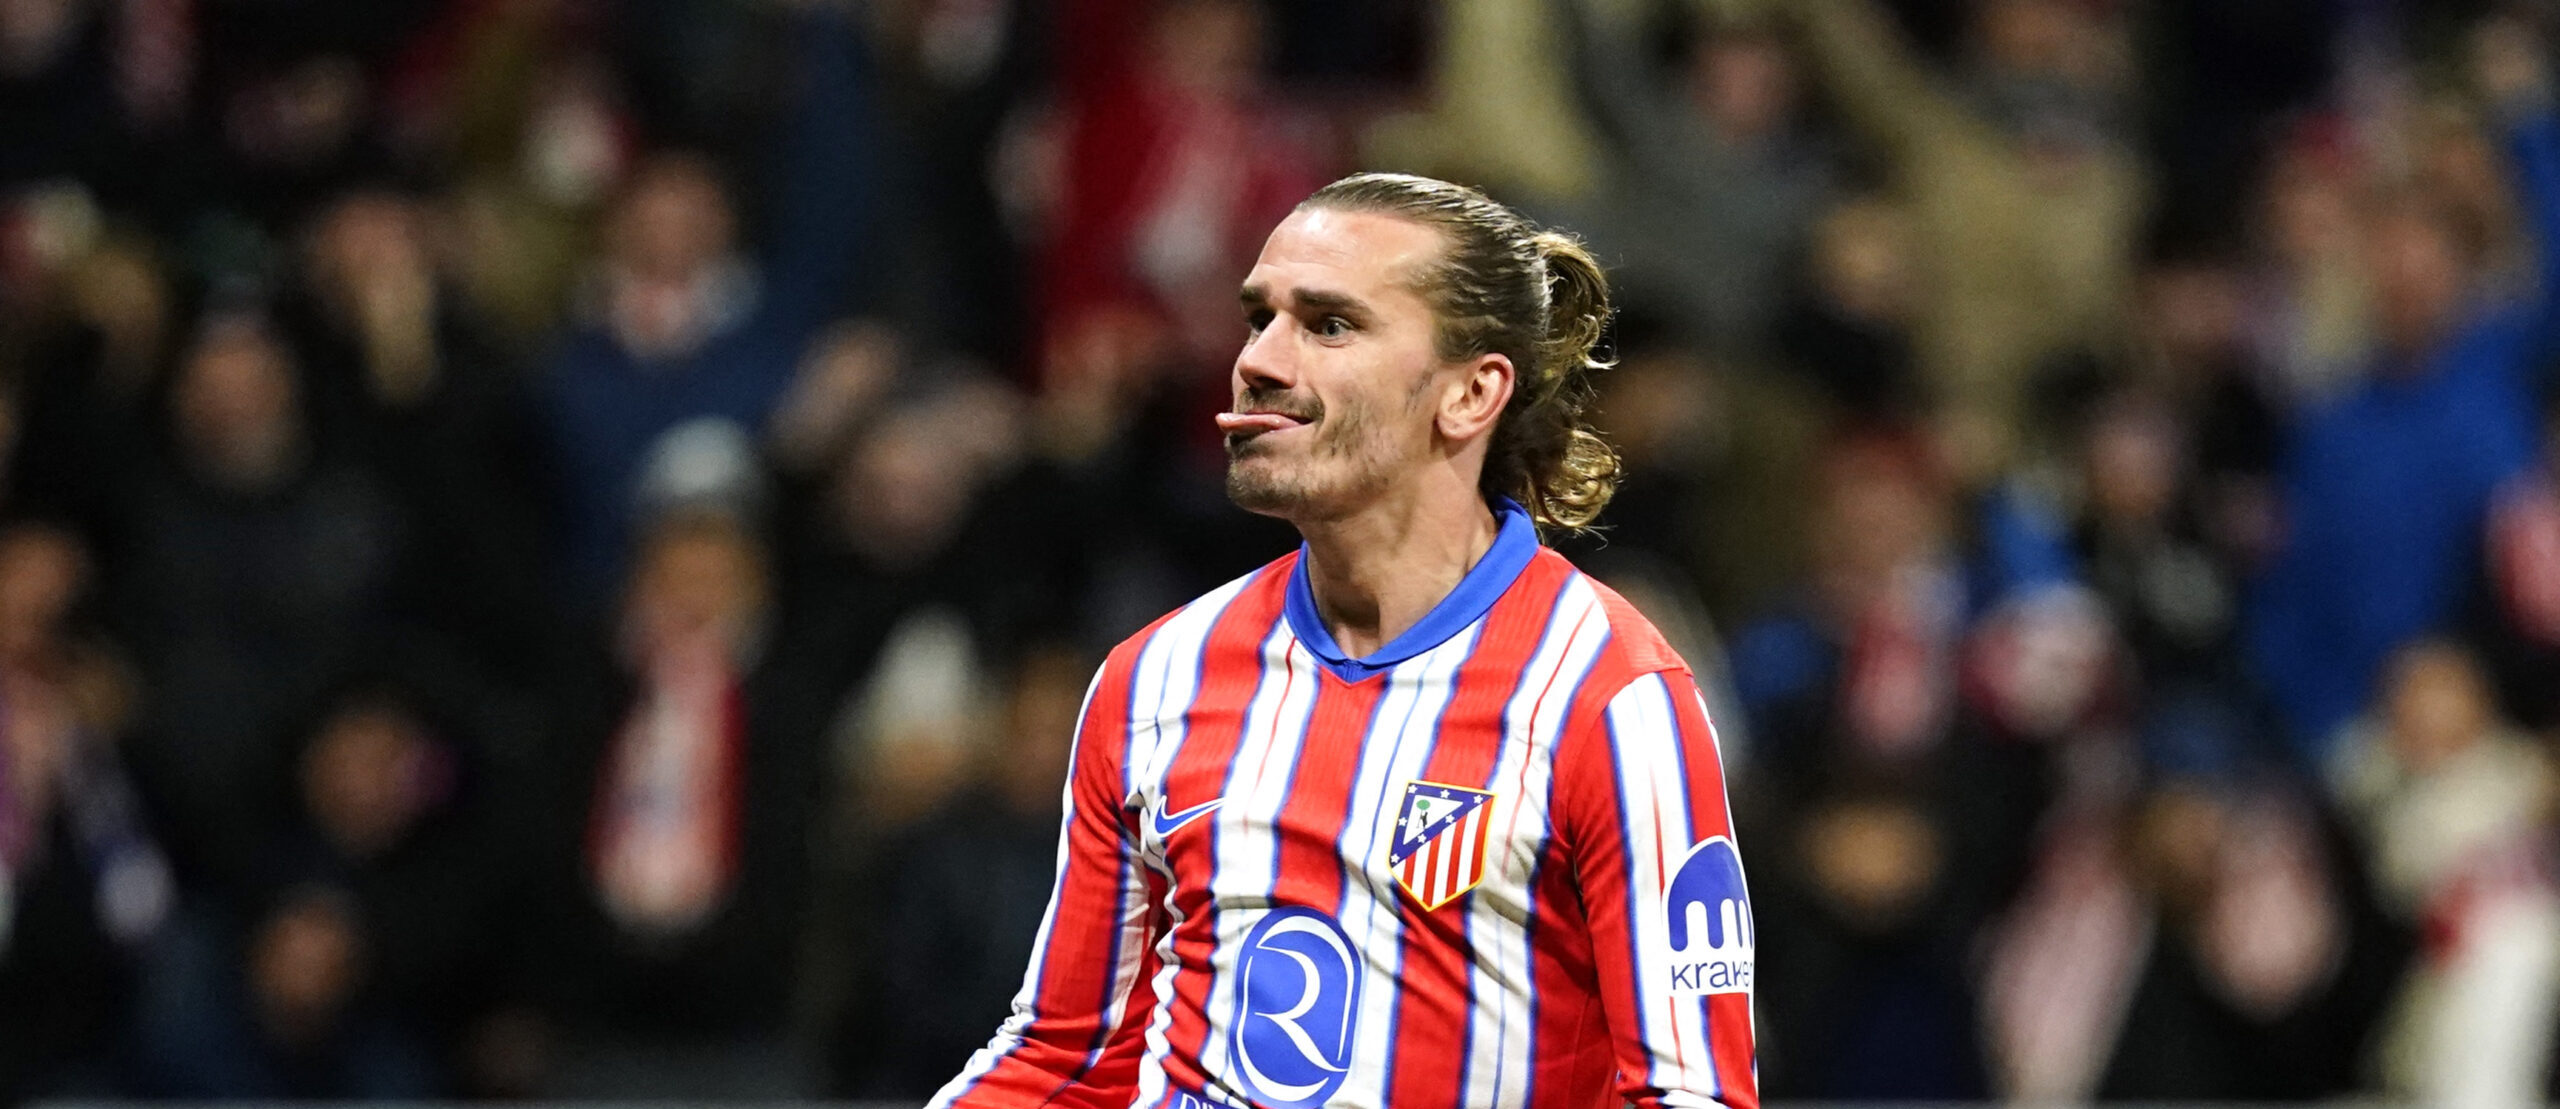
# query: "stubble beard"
{"type": "Point", "coordinates": [1343, 467]}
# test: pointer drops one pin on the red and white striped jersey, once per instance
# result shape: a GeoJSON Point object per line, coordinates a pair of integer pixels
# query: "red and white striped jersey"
{"type": "Point", "coordinates": [1489, 865]}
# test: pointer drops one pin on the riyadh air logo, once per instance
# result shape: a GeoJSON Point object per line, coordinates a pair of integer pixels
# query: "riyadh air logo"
{"type": "Point", "coordinates": [1297, 993]}
{"type": "Point", "coordinates": [1709, 918]}
{"type": "Point", "coordinates": [1167, 822]}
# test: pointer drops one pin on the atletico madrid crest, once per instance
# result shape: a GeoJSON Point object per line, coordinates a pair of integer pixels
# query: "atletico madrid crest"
{"type": "Point", "coordinates": [1440, 842]}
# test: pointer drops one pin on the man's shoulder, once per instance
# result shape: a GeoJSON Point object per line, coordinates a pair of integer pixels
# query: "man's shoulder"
{"type": "Point", "coordinates": [1634, 647]}
{"type": "Point", "coordinates": [1258, 590]}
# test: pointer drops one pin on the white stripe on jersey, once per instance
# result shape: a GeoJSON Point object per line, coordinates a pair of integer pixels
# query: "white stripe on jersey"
{"type": "Point", "coordinates": [1724, 801]}
{"type": "Point", "coordinates": [1151, 1080]}
{"type": "Point", "coordinates": [1501, 1023]}
{"type": "Point", "coordinates": [1461, 848]}
{"type": "Point", "coordinates": [1396, 750]}
{"type": "Point", "coordinates": [1245, 851]}
{"type": "Point", "coordinates": [1654, 795]}
{"type": "Point", "coordinates": [1164, 681]}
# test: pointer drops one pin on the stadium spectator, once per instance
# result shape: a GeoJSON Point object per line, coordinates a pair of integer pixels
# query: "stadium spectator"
{"type": "Point", "coordinates": [2514, 612]}
{"type": "Point", "coordinates": [679, 326]}
{"type": "Point", "coordinates": [960, 74]}
{"type": "Point", "coordinates": [2455, 809]}
{"type": "Point", "coordinates": [1860, 670]}
{"type": "Point", "coordinates": [1849, 325]}
{"type": "Point", "coordinates": [2024, 191]}
{"type": "Point", "coordinates": [2191, 352]}
{"type": "Point", "coordinates": [2143, 546]}
{"type": "Point", "coordinates": [270, 1005]}
{"type": "Point", "coordinates": [1719, 176]}
{"type": "Point", "coordinates": [403, 379]}
{"type": "Point", "coordinates": [2266, 969]}
{"type": "Point", "coordinates": [1881, 1008]}
{"type": "Point", "coordinates": [1173, 156]}
{"type": "Point", "coordinates": [258, 566]}
{"type": "Point", "coordinates": [84, 423]}
{"type": "Point", "coordinates": [376, 933]}
{"type": "Point", "coordinates": [2311, 295]}
{"type": "Point", "coordinates": [675, 855]}
{"type": "Point", "coordinates": [2383, 491]}
{"type": "Point", "coordinates": [84, 888]}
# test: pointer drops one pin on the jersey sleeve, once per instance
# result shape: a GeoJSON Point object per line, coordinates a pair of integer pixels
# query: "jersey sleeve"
{"type": "Point", "coordinates": [1074, 1037]}
{"type": "Point", "coordinates": [1643, 820]}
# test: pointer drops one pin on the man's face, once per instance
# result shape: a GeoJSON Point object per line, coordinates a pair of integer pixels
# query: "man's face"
{"type": "Point", "coordinates": [1745, 84]}
{"type": "Point", "coordinates": [696, 584]}
{"type": "Point", "coordinates": [365, 238]}
{"type": "Point", "coordinates": [2418, 277]}
{"type": "Point", "coordinates": [235, 403]}
{"type": "Point", "coordinates": [1334, 396]}
{"type": "Point", "coordinates": [675, 221]}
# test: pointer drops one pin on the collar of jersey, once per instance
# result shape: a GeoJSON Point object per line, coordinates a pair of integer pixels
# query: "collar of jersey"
{"type": "Point", "coordinates": [1514, 544]}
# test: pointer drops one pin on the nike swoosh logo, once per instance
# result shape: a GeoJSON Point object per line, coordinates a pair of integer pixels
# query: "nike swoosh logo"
{"type": "Point", "coordinates": [1167, 823]}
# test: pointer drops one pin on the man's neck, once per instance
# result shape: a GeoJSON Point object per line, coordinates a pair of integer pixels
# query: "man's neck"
{"type": "Point", "coordinates": [1378, 572]}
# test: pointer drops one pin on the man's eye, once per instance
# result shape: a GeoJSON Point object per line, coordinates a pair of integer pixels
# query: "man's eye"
{"type": "Point", "coordinates": [1333, 327]}
{"type": "Point", "coordinates": [1255, 321]}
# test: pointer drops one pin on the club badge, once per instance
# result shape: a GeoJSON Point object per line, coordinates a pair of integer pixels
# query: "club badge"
{"type": "Point", "coordinates": [1440, 842]}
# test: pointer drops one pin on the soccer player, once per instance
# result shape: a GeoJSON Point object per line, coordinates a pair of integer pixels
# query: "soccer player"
{"type": "Point", "coordinates": [1418, 816]}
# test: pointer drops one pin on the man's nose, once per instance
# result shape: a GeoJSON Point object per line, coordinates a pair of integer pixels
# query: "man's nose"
{"type": "Point", "coordinates": [1267, 362]}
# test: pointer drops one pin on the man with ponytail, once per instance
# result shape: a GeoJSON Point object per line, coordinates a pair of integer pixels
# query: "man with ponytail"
{"type": "Point", "coordinates": [1419, 815]}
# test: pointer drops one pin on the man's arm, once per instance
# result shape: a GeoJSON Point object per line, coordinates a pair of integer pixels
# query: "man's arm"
{"type": "Point", "coordinates": [1640, 796]}
{"type": "Point", "coordinates": [1074, 1036]}
{"type": "Point", "coordinates": [827, 184]}
{"type": "Point", "coordinates": [1873, 73]}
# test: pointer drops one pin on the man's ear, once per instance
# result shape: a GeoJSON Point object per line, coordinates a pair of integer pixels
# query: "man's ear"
{"type": "Point", "coordinates": [1474, 399]}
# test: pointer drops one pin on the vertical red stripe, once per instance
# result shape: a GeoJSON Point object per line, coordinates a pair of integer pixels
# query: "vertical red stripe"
{"type": "Point", "coordinates": [1729, 1029]}
{"type": "Point", "coordinates": [1574, 1065]}
{"type": "Point", "coordinates": [1314, 820]}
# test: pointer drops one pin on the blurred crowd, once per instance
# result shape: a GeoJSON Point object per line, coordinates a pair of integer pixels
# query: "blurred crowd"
{"type": "Point", "coordinates": [553, 547]}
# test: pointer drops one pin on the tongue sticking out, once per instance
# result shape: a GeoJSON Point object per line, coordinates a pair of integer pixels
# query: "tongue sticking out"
{"type": "Point", "coordinates": [1234, 423]}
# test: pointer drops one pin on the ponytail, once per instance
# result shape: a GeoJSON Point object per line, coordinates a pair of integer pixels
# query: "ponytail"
{"type": "Point", "coordinates": [1570, 471]}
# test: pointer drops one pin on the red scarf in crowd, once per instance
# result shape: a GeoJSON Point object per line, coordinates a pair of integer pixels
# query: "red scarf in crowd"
{"type": "Point", "coordinates": [662, 839]}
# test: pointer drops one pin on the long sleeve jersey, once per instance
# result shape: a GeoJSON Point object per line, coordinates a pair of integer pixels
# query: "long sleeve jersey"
{"type": "Point", "coordinates": [1489, 865]}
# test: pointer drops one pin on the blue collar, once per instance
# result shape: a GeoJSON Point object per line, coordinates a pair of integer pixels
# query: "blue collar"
{"type": "Point", "coordinates": [1513, 546]}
